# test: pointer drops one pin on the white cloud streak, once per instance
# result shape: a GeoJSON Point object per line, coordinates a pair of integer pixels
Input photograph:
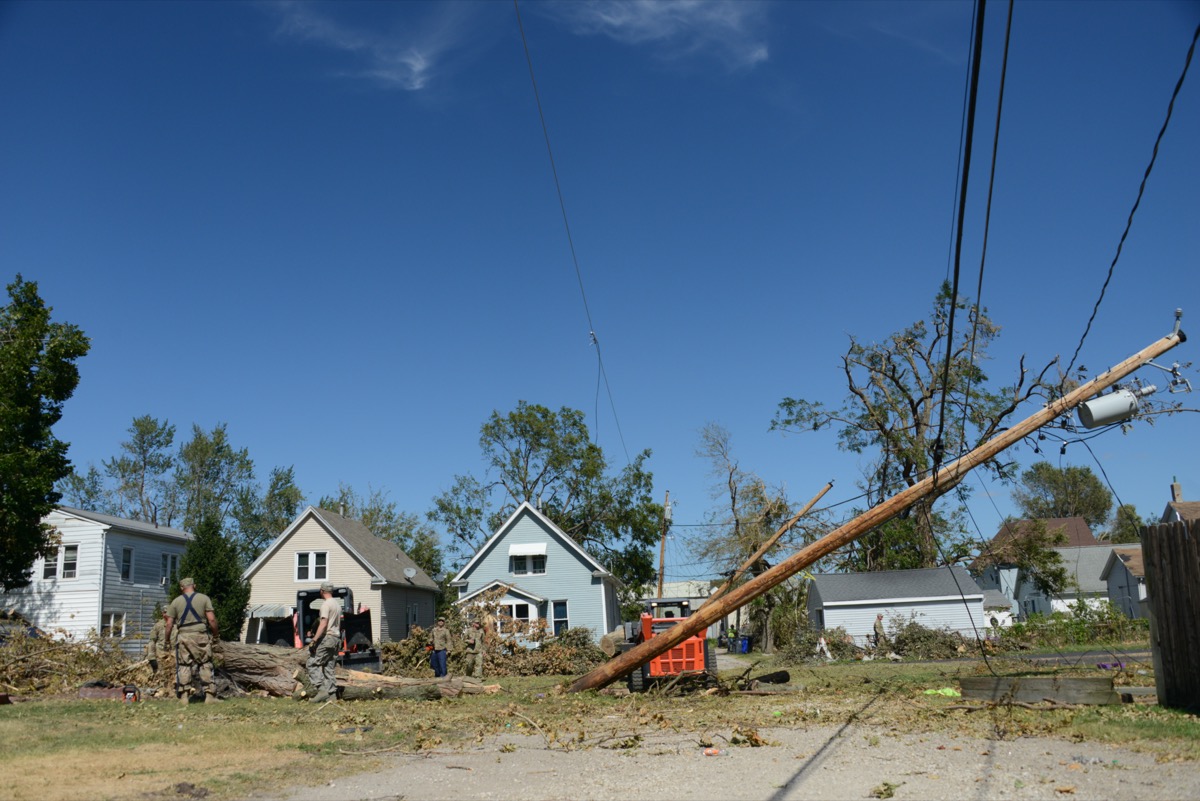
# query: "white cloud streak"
{"type": "Point", "coordinates": [726, 29]}
{"type": "Point", "coordinates": [406, 61]}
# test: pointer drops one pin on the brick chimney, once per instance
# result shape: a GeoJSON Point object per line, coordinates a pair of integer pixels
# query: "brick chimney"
{"type": "Point", "coordinates": [1176, 492]}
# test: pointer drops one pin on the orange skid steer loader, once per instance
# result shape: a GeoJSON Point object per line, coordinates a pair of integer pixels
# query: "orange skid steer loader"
{"type": "Point", "coordinates": [692, 656]}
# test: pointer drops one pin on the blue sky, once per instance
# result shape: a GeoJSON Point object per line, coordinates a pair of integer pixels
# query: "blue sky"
{"type": "Point", "coordinates": [334, 226]}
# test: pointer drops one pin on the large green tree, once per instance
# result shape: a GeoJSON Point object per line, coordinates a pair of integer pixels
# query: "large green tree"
{"type": "Point", "coordinates": [212, 561]}
{"type": "Point", "coordinates": [1127, 525]}
{"type": "Point", "coordinates": [37, 375]}
{"type": "Point", "coordinates": [894, 412]}
{"type": "Point", "coordinates": [545, 457]}
{"type": "Point", "coordinates": [415, 537]}
{"type": "Point", "coordinates": [1047, 491]}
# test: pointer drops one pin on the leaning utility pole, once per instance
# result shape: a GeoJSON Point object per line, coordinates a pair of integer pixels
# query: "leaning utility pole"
{"type": "Point", "coordinates": [941, 481]}
{"type": "Point", "coordinates": [766, 546]}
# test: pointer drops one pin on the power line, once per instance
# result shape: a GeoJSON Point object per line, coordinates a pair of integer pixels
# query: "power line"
{"type": "Point", "coordinates": [562, 205]}
{"type": "Point", "coordinates": [973, 96]}
{"type": "Point", "coordinates": [1137, 201]}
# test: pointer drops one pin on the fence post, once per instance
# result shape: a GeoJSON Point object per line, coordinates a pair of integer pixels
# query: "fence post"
{"type": "Point", "coordinates": [1172, 561]}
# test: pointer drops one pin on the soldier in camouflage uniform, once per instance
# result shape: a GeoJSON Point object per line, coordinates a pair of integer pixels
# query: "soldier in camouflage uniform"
{"type": "Point", "coordinates": [192, 612]}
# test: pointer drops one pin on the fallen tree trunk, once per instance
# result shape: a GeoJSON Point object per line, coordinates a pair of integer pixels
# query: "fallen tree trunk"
{"type": "Point", "coordinates": [261, 667]}
{"type": "Point", "coordinates": [277, 671]}
{"type": "Point", "coordinates": [414, 692]}
{"type": "Point", "coordinates": [447, 686]}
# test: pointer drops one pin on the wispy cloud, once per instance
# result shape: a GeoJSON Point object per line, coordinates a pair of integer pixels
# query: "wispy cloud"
{"type": "Point", "coordinates": [725, 29]}
{"type": "Point", "coordinates": [406, 60]}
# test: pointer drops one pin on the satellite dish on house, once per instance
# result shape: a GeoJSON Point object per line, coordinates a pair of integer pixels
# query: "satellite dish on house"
{"type": "Point", "coordinates": [409, 572]}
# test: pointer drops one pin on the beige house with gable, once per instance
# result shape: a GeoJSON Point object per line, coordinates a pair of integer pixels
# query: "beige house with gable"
{"type": "Point", "coordinates": [321, 545]}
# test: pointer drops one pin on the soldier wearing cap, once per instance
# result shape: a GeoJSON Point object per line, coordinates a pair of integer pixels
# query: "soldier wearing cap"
{"type": "Point", "coordinates": [192, 612]}
{"type": "Point", "coordinates": [880, 634]}
{"type": "Point", "coordinates": [441, 645]}
{"type": "Point", "coordinates": [323, 650]}
{"type": "Point", "coordinates": [158, 649]}
{"type": "Point", "coordinates": [475, 647]}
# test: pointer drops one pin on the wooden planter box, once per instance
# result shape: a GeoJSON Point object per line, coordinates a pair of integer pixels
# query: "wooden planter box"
{"type": "Point", "coordinates": [1035, 689]}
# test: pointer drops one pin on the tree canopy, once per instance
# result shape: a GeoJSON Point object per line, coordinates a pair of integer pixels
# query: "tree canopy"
{"type": "Point", "coordinates": [1047, 491]}
{"type": "Point", "coordinates": [37, 375]}
{"type": "Point", "coordinates": [545, 457]}
{"type": "Point", "coordinates": [894, 411]}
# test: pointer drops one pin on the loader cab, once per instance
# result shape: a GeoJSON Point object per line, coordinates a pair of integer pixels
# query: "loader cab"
{"type": "Point", "coordinates": [666, 612]}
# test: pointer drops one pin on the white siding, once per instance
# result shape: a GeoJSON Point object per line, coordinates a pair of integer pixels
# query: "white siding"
{"type": "Point", "coordinates": [859, 619]}
{"type": "Point", "coordinates": [274, 582]}
{"type": "Point", "coordinates": [65, 607]}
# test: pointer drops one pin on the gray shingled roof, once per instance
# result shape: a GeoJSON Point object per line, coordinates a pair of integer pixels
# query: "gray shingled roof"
{"type": "Point", "coordinates": [1086, 565]}
{"type": "Point", "coordinates": [385, 557]}
{"type": "Point", "coordinates": [136, 526]}
{"type": "Point", "coordinates": [994, 599]}
{"type": "Point", "coordinates": [933, 582]}
{"type": "Point", "coordinates": [999, 549]}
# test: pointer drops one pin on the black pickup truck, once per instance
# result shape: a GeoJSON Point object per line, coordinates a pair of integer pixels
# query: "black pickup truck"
{"type": "Point", "coordinates": [357, 651]}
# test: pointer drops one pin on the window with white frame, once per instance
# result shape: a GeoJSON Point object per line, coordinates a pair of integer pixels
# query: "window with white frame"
{"type": "Point", "coordinates": [528, 564]}
{"type": "Point", "coordinates": [50, 569]}
{"type": "Point", "coordinates": [168, 569]}
{"type": "Point", "coordinates": [127, 564]}
{"type": "Point", "coordinates": [312, 566]}
{"type": "Point", "coordinates": [513, 618]}
{"type": "Point", "coordinates": [70, 561]}
{"type": "Point", "coordinates": [112, 624]}
{"type": "Point", "coordinates": [561, 623]}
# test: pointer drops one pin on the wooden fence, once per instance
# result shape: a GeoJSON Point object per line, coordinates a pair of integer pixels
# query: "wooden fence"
{"type": "Point", "coordinates": [1171, 554]}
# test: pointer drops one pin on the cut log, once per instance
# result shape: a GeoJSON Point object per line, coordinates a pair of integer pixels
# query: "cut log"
{"type": "Point", "coordinates": [261, 667]}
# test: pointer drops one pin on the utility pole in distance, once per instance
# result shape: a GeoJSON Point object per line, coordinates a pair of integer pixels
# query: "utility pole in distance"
{"type": "Point", "coordinates": [662, 548]}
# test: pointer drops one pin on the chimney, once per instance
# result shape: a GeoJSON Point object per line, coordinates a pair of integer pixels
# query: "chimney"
{"type": "Point", "coordinates": [342, 509]}
{"type": "Point", "coordinates": [1176, 492]}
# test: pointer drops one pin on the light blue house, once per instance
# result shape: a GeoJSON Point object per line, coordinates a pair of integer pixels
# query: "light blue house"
{"type": "Point", "coordinates": [542, 574]}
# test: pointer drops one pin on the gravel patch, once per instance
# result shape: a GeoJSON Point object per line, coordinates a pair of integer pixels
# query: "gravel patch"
{"type": "Point", "coordinates": [847, 762]}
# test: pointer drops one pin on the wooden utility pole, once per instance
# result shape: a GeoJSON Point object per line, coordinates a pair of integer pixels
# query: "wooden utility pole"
{"type": "Point", "coordinates": [940, 482]}
{"type": "Point", "coordinates": [766, 546]}
{"type": "Point", "coordinates": [662, 548]}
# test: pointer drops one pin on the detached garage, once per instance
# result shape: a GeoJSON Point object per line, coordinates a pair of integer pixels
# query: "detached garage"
{"type": "Point", "coordinates": [939, 597]}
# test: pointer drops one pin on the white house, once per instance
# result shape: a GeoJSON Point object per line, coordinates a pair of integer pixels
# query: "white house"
{"type": "Point", "coordinates": [936, 597]}
{"type": "Point", "coordinates": [1124, 575]}
{"type": "Point", "coordinates": [542, 574]}
{"type": "Point", "coordinates": [320, 546]}
{"type": "Point", "coordinates": [105, 577]}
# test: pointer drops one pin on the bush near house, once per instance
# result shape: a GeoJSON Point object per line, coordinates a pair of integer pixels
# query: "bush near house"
{"type": "Point", "coordinates": [1086, 624]}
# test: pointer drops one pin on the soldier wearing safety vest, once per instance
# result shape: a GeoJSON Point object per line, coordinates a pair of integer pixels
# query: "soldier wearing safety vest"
{"type": "Point", "coordinates": [193, 613]}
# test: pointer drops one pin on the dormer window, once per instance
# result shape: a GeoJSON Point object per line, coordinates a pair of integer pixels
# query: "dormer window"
{"type": "Point", "coordinates": [526, 559]}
